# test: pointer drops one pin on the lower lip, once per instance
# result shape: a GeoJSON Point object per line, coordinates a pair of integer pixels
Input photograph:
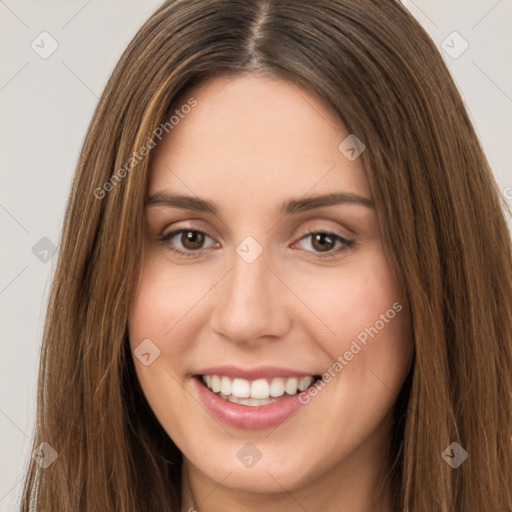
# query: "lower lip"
{"type": "Point", "coordinates": [257, 417]}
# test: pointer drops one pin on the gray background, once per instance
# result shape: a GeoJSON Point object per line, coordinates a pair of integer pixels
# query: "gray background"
{"type": "Point", "coordinates": [46, 105]}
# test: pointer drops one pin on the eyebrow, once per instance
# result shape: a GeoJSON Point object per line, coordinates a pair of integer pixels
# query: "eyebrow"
{"type": "Point", "coordinates": [293, 206]}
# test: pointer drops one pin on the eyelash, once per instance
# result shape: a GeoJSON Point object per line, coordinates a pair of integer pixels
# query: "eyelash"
{"type": "Point", "coordinates": [347, 244]}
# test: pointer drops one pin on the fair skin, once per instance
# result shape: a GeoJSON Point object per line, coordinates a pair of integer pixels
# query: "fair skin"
{"type": "Point", "coordinates": [251, 144]}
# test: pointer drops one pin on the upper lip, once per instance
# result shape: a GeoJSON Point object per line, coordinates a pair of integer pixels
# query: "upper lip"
{"type": "Point", "coordinates": [253, 373]}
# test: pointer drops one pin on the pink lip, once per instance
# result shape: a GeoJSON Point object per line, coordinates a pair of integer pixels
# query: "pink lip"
{"type": "Point", "coordinates": [243, 416]}
{"type": "Point", "coordinates": [260, 372]}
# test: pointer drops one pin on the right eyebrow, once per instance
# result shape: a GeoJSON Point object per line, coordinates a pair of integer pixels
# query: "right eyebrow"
{"type": "Point", "coordinates": [180, 201]}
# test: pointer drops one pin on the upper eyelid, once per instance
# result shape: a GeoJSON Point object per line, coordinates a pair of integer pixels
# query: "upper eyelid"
{"type": "Point", "coordinates": [206, 231]}
{"type": "Point", "coordinates": [176, 231]}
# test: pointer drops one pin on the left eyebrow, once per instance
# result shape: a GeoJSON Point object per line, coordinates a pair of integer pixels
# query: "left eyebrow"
{"type": "Point", "coordinates": [312, 202]}
{"type": "Point", "coordinates": [291, 207]}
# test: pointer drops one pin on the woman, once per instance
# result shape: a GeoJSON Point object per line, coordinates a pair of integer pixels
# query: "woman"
{"type": "Point", "coordinates": [205, 349]}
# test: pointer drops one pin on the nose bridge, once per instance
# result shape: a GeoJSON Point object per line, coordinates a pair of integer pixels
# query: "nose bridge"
{"type": "Point", "coordinates": [249, 302]}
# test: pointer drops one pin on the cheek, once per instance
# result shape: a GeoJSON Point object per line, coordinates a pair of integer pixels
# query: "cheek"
{"type": "Point", "coordinates": [164, 299]}
{"type": "Point", "coordinates": [365, 332]}
{"type": "Point", "coordinates": [354, 302]}
{"type": "Point", "coordinates": [155, 314]}
{"type": "Point", "coordinates": [369, 351]}
{"type": "Point", "coordinates": [158, 313]}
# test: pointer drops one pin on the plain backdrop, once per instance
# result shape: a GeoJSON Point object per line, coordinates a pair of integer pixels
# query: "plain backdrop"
{"type": "Point", "coordinates": [46, 104]}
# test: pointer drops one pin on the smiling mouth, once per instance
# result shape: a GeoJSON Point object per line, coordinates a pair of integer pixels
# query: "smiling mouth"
{"type": "Point", "coordinates": [256, 392]}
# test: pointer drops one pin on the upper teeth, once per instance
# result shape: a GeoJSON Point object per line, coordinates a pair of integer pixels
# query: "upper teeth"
{"type": "Point", "coordinates": [261, 388]}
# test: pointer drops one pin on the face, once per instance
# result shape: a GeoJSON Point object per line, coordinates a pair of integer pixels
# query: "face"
{"type": "Point", "coordinates": [276, 339]}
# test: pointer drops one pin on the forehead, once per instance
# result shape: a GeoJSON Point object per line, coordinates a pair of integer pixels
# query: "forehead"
{"type": "Point", "coordinates": [267, 137]}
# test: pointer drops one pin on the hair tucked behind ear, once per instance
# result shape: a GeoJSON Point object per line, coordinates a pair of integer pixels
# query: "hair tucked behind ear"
{"type": "Point", "coordinates": [442, 227]}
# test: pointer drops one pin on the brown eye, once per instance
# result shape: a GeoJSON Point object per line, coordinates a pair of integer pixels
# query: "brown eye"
{"type": "Point", "coordinates": [186, 242]}
{"type": "Point", "coordinates": [192, 239]}
{"type": "Point", "coordinates": [323, 242]}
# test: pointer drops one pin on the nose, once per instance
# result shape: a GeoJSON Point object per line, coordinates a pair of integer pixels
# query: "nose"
{"type": "Point", "coordinates": [251, 303]}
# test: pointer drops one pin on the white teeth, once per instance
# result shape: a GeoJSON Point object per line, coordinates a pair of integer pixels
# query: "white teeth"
{"type": "Point", "coordinates": [225, 385]}
{"type": "Point", "coordinates": [215, 387]}
{"type": "Point", "coordinates": [248, 401]}
{"type": "Point", "coordinates": [291, 386]}
{"type": "Point", "coordinates": [277, 387]}
{"type": "Point", "coordinates": [260, 389]}
{"type": "Point", "coordinates": [257, 392]}
{"type": "Point", "coordinates": [305, 382]}
{"type": "Point", "coordinates": [240, 388]}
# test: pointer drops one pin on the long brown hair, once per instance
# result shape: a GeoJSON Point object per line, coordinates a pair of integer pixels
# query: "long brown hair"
{"type": "Point", "coordinates": [442, 224]}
